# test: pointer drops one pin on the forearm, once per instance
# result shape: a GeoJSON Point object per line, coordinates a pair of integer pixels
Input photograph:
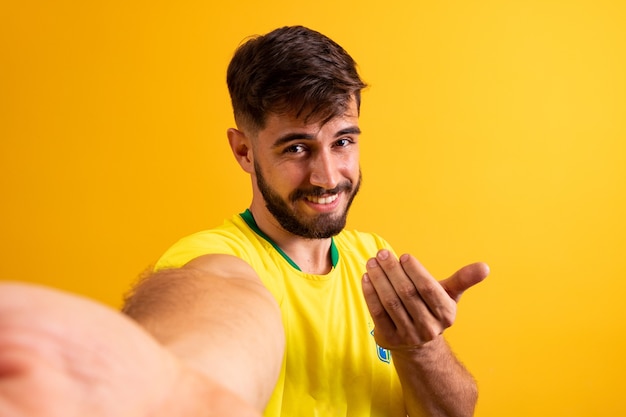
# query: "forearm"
{"type": "Point", "coordinates": [194, 395]}
{"type": "Point", "coordinates": [65, 355]}
{"type": "Point", "coordinates": [224, 327]}
{"type": "Point", "coordinates": [434, 382]}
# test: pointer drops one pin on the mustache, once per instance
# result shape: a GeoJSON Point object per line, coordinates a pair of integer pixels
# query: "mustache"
{"type": "Point", "coordinates": [319, 191]}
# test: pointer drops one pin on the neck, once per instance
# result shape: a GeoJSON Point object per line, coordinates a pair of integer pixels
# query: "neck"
{"type": "Point", "coordinates": [312, 256]}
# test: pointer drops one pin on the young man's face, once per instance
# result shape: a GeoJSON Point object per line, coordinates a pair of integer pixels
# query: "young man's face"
{"type": "Point", "coordinates": [308, 174]}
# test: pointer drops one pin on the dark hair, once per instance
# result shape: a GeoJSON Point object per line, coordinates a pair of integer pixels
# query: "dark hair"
{"type": "Point", "coordinates": [291, 70]}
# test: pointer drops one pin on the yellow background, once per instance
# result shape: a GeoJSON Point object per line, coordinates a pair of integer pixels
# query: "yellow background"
{"type": "Point", "coordinates": [493, 130]}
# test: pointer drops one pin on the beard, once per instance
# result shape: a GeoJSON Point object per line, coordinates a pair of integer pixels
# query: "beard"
{"type": "Point", "coordinates": [321, 226]}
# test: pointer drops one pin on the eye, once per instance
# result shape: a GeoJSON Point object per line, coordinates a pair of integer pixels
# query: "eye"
{"type": "Point", "coordinates": [343, 142]}
{"type": "Point", "coordinates": [297, 148]}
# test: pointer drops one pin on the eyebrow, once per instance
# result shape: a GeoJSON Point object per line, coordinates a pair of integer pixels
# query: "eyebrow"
{"type": "Point", "coordinates": [290, 137]}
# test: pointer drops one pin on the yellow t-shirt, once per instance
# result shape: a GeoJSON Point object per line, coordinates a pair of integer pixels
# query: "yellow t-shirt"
{"type": "Point", "coordinates": [332, 365]}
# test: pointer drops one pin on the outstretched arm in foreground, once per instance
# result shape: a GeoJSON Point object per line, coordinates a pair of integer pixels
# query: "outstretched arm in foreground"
{"type": "Point", "coordinates": [411, 310]}
{"type": "Point", "coordinates": [62, 355]}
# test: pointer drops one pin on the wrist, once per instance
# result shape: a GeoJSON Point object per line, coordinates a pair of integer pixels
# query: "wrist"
{"type": "Point", "coordinates": [431, 349]}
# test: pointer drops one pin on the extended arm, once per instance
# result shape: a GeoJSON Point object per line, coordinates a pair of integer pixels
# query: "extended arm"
{"type": "Point", "coordinates": [411, 310]}
{"type": "Point", "coordinates": [218, 318]}
{"type": "Point", "coordinates": [62, 355]}
{"type": "Point", "coordinates": [213, 347]}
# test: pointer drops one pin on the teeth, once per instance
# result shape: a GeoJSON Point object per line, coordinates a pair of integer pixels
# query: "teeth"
{"type": "Point", "coordinates": [322, 200]}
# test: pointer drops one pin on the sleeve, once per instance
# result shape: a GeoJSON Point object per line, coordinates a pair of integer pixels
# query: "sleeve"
{"type": "Point", "coordinates": [193, 246]}
{"type": "Point", "coordinates": [382, 243]}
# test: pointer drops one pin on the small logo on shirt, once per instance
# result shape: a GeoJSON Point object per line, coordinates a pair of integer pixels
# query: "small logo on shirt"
{"type": "Point", "coordinates": [383, 354]}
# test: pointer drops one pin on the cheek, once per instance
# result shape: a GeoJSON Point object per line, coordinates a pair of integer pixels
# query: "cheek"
{"type": "Point", "coordinates": [351, 166]}
{"type": "Point", "coordinates": [287, 177]}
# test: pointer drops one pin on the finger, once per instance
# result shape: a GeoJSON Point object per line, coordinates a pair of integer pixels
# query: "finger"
{"type": "Point", "coordinates": [381, 281]}
{"type": "Point", "coordinates": [401, 299]}
{"type": "Point", "coordinates": [465, 278]}
{"type": "Point", "coordinates": [375, 306]}
{"type": "Point", "coordinates": [434, 295]}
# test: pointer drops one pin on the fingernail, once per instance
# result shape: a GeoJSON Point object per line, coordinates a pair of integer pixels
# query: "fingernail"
{"type": "Point", "coordinates": [404, 258]}
{"type": "Point", "coordinates": [372, 263]}
{"type": "Point", "coordinates": [383, 254]}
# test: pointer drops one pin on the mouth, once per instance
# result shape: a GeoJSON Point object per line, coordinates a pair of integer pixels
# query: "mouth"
{"type": "Point", "coordinates": [322, 199]}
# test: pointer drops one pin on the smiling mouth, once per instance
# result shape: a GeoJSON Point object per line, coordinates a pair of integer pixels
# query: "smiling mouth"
{"type": "Point", "coordinates": [322, 200]}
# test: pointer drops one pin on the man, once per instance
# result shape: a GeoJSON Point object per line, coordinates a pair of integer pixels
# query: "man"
{"type": "Point", "coordinates": [278, 311]}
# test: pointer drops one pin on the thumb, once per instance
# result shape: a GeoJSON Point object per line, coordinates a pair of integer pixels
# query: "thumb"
{"type": "Point", "coordinates": [465, 278]}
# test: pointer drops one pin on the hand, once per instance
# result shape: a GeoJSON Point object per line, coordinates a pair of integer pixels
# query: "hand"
{"type": "Point", "coordinates": [66, 356]}
{"type": "Point", "coordinates": [409, 307]}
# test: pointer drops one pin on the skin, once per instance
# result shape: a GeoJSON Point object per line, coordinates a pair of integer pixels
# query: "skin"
{"type": "Point", "coordinates": [184, 310]}
{"type": "Point", "coordinates": [65, 356]}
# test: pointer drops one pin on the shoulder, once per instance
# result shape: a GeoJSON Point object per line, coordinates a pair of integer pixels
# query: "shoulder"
{"type": "Point", "coordinates": [358, 238]}
{"type": "Point", "coordinates": [233, 237]}
{"type": "Point", "coordinates": [363, 244]}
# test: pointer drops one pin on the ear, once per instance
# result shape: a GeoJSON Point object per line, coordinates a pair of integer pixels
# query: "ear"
{"type": "Point", "coordinates": [242, 149]}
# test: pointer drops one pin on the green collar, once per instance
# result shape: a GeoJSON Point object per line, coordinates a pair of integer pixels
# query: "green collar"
{"type": "Point", "coordinates": [249, 219]}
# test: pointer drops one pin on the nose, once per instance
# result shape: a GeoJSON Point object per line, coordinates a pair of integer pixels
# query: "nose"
{"type": "Point", "coordinates": [325, 171]}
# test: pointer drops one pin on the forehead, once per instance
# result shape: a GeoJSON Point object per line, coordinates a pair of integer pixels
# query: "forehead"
{"type": "Point", "coordinates": [277, 125]}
